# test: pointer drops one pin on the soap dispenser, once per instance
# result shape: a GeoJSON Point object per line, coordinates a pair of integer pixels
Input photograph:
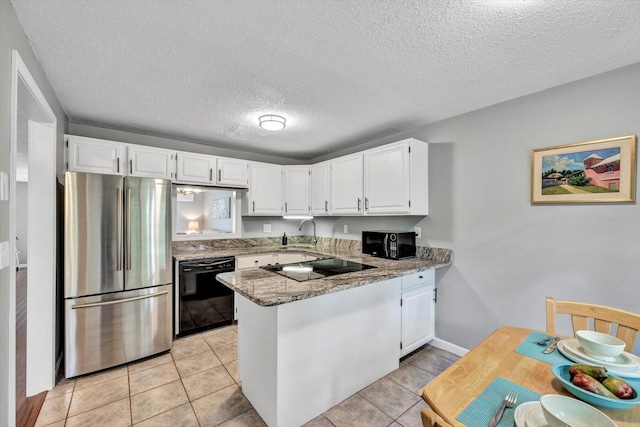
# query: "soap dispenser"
{"type": "Point", "coordinates": [284, 239]}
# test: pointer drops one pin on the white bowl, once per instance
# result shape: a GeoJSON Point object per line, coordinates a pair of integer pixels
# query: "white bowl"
{"type": "Point", "coordinates": [599, 344]}
{"type": "Point", "coordinates": [563, 411]}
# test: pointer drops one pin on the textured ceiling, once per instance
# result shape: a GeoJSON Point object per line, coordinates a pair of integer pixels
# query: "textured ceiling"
{"type": "Point", "coordinates": [342, 72]}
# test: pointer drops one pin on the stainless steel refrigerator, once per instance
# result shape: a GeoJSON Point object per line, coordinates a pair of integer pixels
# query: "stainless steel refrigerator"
{"type": "Point", "coordinates": [118, 291]}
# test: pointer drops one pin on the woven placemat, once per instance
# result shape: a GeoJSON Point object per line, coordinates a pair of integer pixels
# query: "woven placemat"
{"type": "Point", "coordinates": [529, 348]}
{"type": "Point", "coordinates": [481, 410]}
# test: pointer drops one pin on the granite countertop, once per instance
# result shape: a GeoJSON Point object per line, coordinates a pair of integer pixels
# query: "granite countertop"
{"type": "Point", "coordinates": [266, 288]}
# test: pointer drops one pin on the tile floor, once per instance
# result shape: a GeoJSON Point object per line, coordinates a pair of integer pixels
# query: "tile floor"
{"type": "Point", "coordinates": [196, 384]}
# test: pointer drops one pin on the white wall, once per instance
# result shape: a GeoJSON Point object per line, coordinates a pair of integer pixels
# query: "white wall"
{"type": "Point", "coordinates": [509, 254]}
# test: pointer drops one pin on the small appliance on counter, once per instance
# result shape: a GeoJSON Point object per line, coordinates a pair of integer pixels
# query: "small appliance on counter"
{"type": "Point", "coordinates": [389, 244]}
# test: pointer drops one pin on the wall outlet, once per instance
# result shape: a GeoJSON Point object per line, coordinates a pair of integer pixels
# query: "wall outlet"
{"type": "Point", "coordinates": [346, 229]}
{"type": "Point", "coordinates": [418, 231]}
{"type": "Point", "coordinates": [266, 228]}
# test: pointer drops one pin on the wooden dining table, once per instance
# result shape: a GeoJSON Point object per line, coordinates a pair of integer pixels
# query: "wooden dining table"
{"type": "Point", "coordinates": [454, 389]}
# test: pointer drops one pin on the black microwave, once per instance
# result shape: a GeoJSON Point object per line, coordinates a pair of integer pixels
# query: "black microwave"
{"type": "Point", "coordinates": [389, 244]}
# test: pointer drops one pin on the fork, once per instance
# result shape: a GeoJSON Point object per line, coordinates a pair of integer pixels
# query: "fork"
{"type": "Point", "coordinates": [508, 402]}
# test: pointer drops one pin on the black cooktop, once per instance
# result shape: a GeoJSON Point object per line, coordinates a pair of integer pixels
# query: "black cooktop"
{"type": "Point", "coordinates": [317, 269]}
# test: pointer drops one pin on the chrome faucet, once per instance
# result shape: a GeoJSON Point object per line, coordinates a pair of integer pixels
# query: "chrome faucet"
{"type": "Point", "coordinates": [315, 240]}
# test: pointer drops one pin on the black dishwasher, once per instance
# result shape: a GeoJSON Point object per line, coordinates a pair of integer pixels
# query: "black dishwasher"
{"type": "Point", "coordinates": [204, 302]}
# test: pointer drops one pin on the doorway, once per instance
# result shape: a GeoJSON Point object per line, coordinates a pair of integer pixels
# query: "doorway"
{"type": "Point", "coordinates": [32, 229]}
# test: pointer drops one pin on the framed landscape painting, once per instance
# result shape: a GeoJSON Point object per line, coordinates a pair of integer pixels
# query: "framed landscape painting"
{"type": "Point", "coordinates": [587, 172]}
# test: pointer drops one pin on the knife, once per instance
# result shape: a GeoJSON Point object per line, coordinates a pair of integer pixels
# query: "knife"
{"type": "Point", "coordinates": [552, 346]}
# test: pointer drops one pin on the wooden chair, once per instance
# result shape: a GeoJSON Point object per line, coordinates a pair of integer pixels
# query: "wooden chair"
{"type": "Point", "coordinates": [431, 419]}
{"type": "Point", "coordinates": [604, 317]}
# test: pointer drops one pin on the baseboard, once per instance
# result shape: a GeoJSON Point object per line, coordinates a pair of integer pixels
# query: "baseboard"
{"type": "Point", "coordinates": [447, 346]}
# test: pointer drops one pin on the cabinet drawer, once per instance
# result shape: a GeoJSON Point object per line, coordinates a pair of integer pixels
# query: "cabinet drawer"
{"type": "Point", "coordinates": [252, 261]}
{"type": "Point", "coordinates": [420, 278]}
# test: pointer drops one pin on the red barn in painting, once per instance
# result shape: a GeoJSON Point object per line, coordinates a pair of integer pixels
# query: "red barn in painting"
{"type": "Point", "coordinates": [603, 172]}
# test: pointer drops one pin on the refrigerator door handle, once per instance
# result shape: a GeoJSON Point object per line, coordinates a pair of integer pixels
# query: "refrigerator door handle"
{"type": "Point", "coordinates": [119, 231]}
{"type": "Point", "coordinates": [128, 229]}
{"type": "Point", "coordinates": [118, 301]}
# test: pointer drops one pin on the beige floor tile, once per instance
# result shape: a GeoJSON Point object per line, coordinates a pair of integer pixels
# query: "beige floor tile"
{"type": "Point", "coordinates": [53, 410]}
{"type": "Point", "coordinates": [390, 397]}
{"type": "Point", "coordinates": [116, 414]}
{"type": "Point", "coordinates": [218, 407]}
{"type": "Point", "coordinates": [207, 382]}
{"type": "Point", "coordinates": [356, 411]}
{"type": "Point", "coordinates": [63, 387]}
{"type": "Point", "coordinates": [432, 362]}
{"type": "Point", "coordinates": [232, 368]}
{"type": "Point", "coordinates": [411, 377]}
{"type": "Point", "coordinates": [220, 337]}
{"type": "Point", "coordinates": [411, 418]}
{"type": "Point", "coordinates": [58, 424]}
{"type": "Point", "coordinates": [227, 353]}
{"type": "Point", "coordinates": [101, 377]}
{"type": "Point", "coordinates": [182, 416]}
{"type": "Point", "coordinates": [157, 400]}
{"type": "Point", "coordinates": [153, 377]}
{"type": "Point", "coordinates": [248, 419]}
{"type": "Point", "coordinates": [99, 395]}
{"type": "Point", "coordinates": [197, 363]}
{"type": "Point", "coordinates": [185, 347]}
{"type": "Point", "coordinates": [149, 363]}
{"type": "Point", "coordinates": [320, 421]}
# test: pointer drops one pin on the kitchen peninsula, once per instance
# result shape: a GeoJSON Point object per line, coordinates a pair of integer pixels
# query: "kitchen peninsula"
{"type": "Point", "coordinates": [305, 346]}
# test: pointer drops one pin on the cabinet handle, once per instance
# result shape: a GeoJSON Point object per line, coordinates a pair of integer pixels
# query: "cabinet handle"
{"type": "Point", "coordinates": [211, 174]}
{"type": "Point", "coordinates": [130, 166]}
{"type": "Point", "coordinates": [326, 206]}
{"type": "Point", "coordinates": [420, 277]}
{"type": "Point", "coordinates": [219, 175]}
{"type": "Point", "coordinates": [286, 207]}
{"type": "Point", "coordinates": [254, 206]}
{"type": "Point", "coordinates": [118, 164]}
{"type": "Point", "coordinates": [359, 204]}
{"type": "Point", "coordinates": [366, 203]}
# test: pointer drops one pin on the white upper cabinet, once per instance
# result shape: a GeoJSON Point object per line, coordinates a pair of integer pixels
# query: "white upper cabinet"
{"type": "Point", "coordinates": [346, 185]}
{"type": "Point", "coordinates": [95, 155]}
{"type": "Point", "coordinates": [150, 162]}
{"type": "Point", "coordinates": [396, 179]}
{"type": "Point", "coordinates": [296, 190]}
{"type": "Point", "coordinates": [264, 196]}
{"type": "Point", "coordinates": [232, 172]}
{"type": "Point", "coordinates": [320, 189]}
{"type": "Point", "coordinates": [195, 168]}
{"type": "Point", "coordinates": [387, 179]}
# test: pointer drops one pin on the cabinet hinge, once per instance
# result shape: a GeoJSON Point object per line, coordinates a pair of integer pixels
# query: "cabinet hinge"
{"type": "Point", "coordinates": [400, 302]}
{"type": "Point", "coordinates": [409, 203]}
{"type": "Point", "coordinates": [67, 165]}
{"type": "Point", "coordinates": [409, 149]}
{"type": "Point", "coordinates": [400, 345]}
{"type": "Point", "coordinates": [67, 143]}
{"type": "Point", "coordinates": [309, 172]}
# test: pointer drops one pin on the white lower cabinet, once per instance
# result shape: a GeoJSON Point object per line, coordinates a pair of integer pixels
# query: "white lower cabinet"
{"type": "Point", "coordinates": [418, 310]}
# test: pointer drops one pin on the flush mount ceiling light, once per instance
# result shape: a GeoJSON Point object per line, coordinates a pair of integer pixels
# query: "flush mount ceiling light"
{"type": "Point", "coordinates": [272, 122]}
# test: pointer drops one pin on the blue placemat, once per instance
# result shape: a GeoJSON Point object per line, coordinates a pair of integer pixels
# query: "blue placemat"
{"type": "Point", "coordinates": [529, 348]}
{"type": "Point", "coordinates": [481, 410]}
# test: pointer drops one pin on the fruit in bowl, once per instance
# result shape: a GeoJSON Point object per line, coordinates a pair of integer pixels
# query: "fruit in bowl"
{"type": "Point", "coordinates": [596, 380]}
{"type": "Point", "coordinates": [599, 345]}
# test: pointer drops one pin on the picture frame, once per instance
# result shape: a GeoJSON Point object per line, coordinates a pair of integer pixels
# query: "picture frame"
{"type": "Point", "coordinates": [602, 171]}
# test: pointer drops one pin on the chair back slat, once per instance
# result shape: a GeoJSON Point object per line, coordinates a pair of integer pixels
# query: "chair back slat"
{"type": "Point", "coordinates": [603, 319]}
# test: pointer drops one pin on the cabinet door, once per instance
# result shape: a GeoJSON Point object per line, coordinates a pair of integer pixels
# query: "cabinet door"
{"type": "Point", "coordinates": [346, 185]}
{"type": "Point", "coordinates": [195, 168]}
{"type": "Point", "coordinates": [94, 155]}
{"type": "Point", "coordinates": [418, 314]}
{"type": "Point", "coordinates": [265, 190]}
{"type": "Point", "coordinates": [320, 189]}
{"type": "Point", "coordinates": [387, 175]}
{"type": "Point", "coordinates": [233, 172]}
{"type": "Point", "coordinates": [150, 162]}
{"type": "Point", "coordinates": [296, 184]}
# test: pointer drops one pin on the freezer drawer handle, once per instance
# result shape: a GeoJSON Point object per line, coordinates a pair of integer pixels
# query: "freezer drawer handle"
{"type": "Point", "coordinates": [119, 301]}
{"type": "Point", "coordinates": [128, 229]}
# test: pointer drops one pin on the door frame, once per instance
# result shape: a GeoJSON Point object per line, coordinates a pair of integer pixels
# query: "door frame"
{"type": "Point", "coordinates": [41, 335]}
